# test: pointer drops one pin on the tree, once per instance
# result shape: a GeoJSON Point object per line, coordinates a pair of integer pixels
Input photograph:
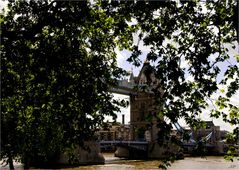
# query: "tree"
{"type": "Point", "coordinates": [58, 65]}
{"type": "Point", "coordinates": [63, 43]}
{"type": "Point", "coordinates": [188, 42]}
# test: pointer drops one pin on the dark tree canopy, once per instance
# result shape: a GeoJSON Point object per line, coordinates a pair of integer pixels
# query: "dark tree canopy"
{"type": "Point", "coordinates": [59, 62]}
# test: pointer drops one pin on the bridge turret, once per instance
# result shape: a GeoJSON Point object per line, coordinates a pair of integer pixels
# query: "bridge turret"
{"type": "Point", "coordinates": [131, 77]}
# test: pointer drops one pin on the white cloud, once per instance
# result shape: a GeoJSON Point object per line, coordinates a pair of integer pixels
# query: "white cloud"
{"type": "Point", "coordinates": [120, 58]}
{"type": "Point", "coordinates": [3, 6]}
{"type": "Point", "coordinates": [235, 99]}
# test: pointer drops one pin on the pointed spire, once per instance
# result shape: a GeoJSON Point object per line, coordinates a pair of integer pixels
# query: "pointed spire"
{"type": "Point", "coordinates": [146, 61]}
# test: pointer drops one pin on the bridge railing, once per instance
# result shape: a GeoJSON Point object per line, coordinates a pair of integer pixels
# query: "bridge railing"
{"type": "Point", "coordinates": [124, 142]}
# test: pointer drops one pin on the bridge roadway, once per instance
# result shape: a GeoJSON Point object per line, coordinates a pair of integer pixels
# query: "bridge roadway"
{"type": "Point", "coordinates": [139, 145]}
{"type": "Point", "coordinates": [194, 144]}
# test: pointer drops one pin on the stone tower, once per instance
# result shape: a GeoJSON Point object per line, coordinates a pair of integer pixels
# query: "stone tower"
{"type": "Point", "coordinates": [143, 107]}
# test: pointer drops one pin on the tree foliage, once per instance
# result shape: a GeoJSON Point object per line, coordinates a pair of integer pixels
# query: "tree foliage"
{"type": "Point", "coordinates": [189, 44]}
{"type": "Point", "coordinates": [188, 33]}
{"type": "Point", "coordinates": [58, 63]}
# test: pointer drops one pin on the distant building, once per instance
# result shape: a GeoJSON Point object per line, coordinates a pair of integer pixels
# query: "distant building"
{"type": "Point", "coordinates": [115, 131]}
{"type": "Point", "coordinates": [210, 128]}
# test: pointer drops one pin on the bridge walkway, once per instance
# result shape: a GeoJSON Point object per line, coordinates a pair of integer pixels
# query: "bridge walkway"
{"type": "Point", "coordinates": [139, 145]}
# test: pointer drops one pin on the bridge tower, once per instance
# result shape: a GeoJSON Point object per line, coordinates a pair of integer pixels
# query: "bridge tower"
{"type": "Point", "coordinates": [143, 107]}
{"type": "Point", "coordinates": [144, 114]}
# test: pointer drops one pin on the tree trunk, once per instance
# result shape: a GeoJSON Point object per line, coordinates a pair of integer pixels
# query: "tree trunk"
{"type": "Point", "coordinates": [26, 163]}
{"type": "Point", "coordinates": [10, 162]}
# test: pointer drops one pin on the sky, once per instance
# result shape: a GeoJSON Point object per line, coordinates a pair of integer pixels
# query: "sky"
{"type": "Point", "coordinates": [121, 59]}
{"type": "Point", "coordinates": [3, 4]}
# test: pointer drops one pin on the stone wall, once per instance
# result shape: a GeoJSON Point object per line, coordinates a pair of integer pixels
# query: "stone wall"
{"type": "Point", "coordinates": [84, 157]}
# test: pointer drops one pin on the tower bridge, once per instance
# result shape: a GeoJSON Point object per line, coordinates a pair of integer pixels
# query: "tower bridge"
{"type": "Point", "coordinates": [142, 105]}
{"type": "Point", "coordinates": [142, 102]}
